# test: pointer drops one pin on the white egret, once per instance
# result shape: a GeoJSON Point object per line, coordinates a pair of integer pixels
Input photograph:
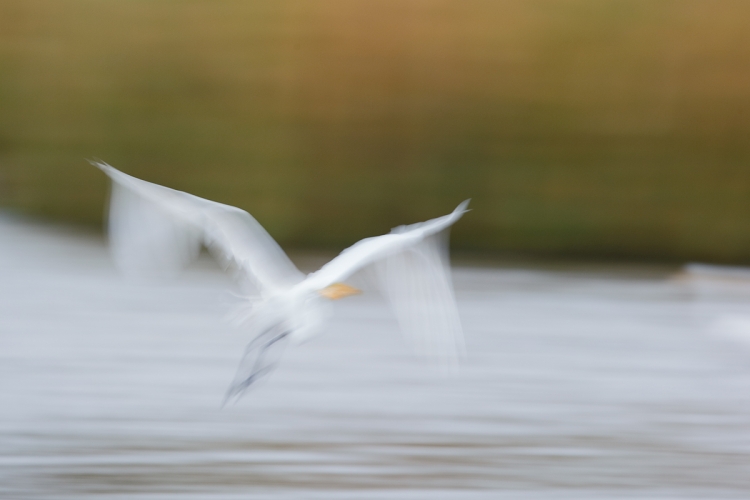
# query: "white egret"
{"type": "Point", "coordinates": [157, 230]}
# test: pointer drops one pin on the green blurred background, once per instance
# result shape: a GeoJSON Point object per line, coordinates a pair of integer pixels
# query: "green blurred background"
{"type": "Point", "coordinates": [580, 128]}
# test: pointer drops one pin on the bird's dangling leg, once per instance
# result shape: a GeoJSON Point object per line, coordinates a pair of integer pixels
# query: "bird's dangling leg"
{"type": "Point", "coordinates": [260, 358]}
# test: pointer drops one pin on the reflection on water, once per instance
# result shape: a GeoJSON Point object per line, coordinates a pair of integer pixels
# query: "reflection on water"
{"type": "Point", "coordinates": [598, 384]}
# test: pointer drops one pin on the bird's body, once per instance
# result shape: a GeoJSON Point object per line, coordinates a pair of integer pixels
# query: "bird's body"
{"type": "Point", "coordinates": [155, 230]}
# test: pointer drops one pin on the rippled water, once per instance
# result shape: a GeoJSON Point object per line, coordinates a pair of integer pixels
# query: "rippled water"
{"type": "Point", "coordinates": [589, 384]}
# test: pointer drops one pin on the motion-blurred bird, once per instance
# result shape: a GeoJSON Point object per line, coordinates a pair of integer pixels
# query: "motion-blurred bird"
{"type": "Point", "coordinates": [155, 230]}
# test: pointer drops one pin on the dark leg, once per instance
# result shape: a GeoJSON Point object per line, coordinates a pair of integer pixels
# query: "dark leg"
{"type": "Point", "coordinates": [260, 358]}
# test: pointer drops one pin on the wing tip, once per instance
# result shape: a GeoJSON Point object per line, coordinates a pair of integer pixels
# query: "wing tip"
{"type": "Point", "coordinates": [102, 165]}
{"type": "Point", "coordinates": [461, 208]}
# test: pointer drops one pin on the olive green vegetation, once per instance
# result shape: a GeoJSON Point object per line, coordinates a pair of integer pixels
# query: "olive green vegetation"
{"type": "Point", "coordinates": [589, 128]}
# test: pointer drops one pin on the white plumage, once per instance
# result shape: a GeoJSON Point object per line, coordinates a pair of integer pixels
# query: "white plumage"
{"type": "Point", "coordinates": [154, 230]}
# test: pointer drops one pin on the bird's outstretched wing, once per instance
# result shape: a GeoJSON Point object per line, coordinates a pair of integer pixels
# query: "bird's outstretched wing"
{"type": "Point", "coordinates": [155, 230]}
{"type": "Point", "coordinates": [413, 271]}
{"type": "Point", "coordinates": [418, 285]}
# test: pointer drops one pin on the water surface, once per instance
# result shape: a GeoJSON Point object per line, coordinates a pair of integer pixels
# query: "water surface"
{"type": "Point", "coordinates": [604, 383]}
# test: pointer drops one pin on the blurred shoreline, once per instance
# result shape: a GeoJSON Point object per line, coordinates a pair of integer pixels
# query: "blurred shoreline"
{"type": "Point", "coordinates": [580, 128]}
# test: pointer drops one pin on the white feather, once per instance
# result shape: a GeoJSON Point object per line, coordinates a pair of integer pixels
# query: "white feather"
{"type": "Point", "coordinates": [154, 227]}
{"type": "Point", "coordinates": [418, 285]}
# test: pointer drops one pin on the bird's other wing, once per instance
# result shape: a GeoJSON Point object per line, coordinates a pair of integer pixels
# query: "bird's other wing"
{"type": "Point", "coordinates": [413, 271]}
{"type": "Point", "coordinates": [155, 230]}
{"type": "Point", "coordinates": [369, 250]}
{"type": "Point", "coordinates": [417, 283]}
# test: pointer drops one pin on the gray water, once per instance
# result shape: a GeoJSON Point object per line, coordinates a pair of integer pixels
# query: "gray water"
{"type": "Point", "coordinates": [595, 383]}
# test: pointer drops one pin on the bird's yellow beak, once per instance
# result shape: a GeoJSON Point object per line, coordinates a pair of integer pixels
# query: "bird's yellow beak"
{"type": "Point", "coordinates": [338, 291]}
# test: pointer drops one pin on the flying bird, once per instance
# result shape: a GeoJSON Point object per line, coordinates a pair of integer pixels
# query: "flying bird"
{"type": "Point", "coordinates": [154, 230]}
